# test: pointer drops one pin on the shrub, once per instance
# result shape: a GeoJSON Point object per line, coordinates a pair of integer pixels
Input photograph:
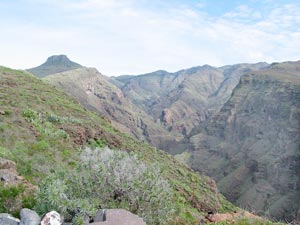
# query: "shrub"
{"type": "Point", "coordinates": [11, 198]}
{"type": "Point", "coordinates": [108, 179]}
{"type": "Point", "coordinates": [45, 126]}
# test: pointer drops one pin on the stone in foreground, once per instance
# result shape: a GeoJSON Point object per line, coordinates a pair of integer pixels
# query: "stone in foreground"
{"type": "Point", "coordinates": [120, 217]}
{"type": "Point", "coordinates": [7, 219]}
{"type": "Point", "coordinates": [29, 217]}
{"type": "Point", "coordinates": [51, 218]}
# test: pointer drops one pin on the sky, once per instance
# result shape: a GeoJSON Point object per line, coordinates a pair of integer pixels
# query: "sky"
{"type": "Point", "coordinates": [139, 36]}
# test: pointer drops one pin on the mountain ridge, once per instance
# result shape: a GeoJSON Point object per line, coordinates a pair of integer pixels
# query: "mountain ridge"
{"type": "Point", "coordinates": [253, 142]}
{"type": "Point", "coordinates": [44, 127]}
{"type": "Point", "coordinates": [54, 64]}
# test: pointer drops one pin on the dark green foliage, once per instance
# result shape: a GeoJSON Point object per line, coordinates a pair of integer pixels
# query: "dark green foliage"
{"type": "Point", "coordinates": [10, 198]}
{"type": "Point", "coordinates": [96, 143]}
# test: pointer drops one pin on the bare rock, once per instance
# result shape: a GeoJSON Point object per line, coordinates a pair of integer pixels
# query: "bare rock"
{"type": "Point", "coordinates": [9, 175]}
{"type": "Point", "coordinates": [100, 215]}
{"type": "Point", "coordinates": [29, 217]}
{"type": "Point", "coordinates": [120, 217]}
{"type": "Point", "coordinates": [51, 218]}
{"type": "Point", "coordinates": [7, 219]}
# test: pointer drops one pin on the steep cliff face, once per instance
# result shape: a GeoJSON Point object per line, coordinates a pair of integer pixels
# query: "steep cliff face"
{"type": "Point", "coordinates": [252, 146]}
{"type": "Point", "coordinates": [182, 100]}
{"type": "Point", "coordinates": [95, 92]}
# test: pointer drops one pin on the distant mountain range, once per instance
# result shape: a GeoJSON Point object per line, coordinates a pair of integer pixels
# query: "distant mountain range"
{"type": "Point", "coordinates": [239, 123]}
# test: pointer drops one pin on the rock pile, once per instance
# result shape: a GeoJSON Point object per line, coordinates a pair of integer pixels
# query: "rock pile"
{"type": "Point", "coordinates": [28, 217]}
{"type": "Point", "coordinates": [102, 217]}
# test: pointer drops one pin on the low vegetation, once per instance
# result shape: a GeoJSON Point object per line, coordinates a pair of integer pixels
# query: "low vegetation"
{"type": "Point", "coordinates": [45, 131]}
{"type": "Point", "coordinates": [108, 178]}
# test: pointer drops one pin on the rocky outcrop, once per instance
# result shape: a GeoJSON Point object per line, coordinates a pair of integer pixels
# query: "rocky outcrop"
{"type": "Point", "coordinates": [9, 175]}
{"type": "Point", "coordinates": [230, 217]}
{"type": "Point", "coordinates": [120, 216]}
{"type": "Point", "coordinates": [54, 64]}
{"type": "Point", "coordinates": [251, 147]}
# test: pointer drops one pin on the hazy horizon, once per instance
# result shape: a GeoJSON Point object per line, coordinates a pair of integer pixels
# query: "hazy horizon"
{"type": "Point", "coordinates": [135, 37]}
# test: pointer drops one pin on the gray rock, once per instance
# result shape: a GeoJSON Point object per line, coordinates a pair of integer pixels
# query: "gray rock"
{"type": "Point", "coordinates": [86, 220]}
{"type": "Point", "coordinates": [7, 219]}
{"type": "Point", "coordinates": [120, 217]}
{"type": "Point", "coordinates": [51, 218]}
{"type": "Point", "coordinates": [29, 217]}
{"type": "Point", "coordinates": [100, 216]}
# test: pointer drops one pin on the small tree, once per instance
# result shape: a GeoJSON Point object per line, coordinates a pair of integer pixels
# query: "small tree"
{"type": "Point", "coordinates": [108, 178]}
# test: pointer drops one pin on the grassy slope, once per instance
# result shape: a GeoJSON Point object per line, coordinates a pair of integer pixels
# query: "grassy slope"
{"type": "Point", "coordinates": [43, 129]}
{"type": "Point", "coordinates": [108, 100]}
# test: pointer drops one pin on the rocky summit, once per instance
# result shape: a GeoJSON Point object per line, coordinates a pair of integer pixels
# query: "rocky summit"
{"type": "Point", "coordinates": [54, 64]}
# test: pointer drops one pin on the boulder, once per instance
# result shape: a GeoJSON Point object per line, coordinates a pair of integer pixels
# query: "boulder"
{"type": "Point", "coordinates": [100, 216]}
{"type": "Point", "coordinates": [29, 217]}
{"type": "Point", "coordinates": [51, 218]}
{"type": "Point", "coordinates": [120, 217]}
{"type": "Point", "coordinates": [7, 219]}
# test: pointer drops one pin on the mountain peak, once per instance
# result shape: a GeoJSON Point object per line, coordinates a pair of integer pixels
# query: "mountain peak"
{"type": "Point", "coordinates": [58, 59]}
{"type": "Point", "coordinates": [54, 64]}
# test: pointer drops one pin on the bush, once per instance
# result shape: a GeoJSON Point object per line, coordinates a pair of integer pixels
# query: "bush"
{"type": "Point", "coordinates": [11, 198]}
{"type": "Point", "coordinates": [108, 179]}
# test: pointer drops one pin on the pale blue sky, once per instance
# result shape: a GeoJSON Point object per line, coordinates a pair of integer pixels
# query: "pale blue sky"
{"type": "Point", "coordinates": [138, 36]}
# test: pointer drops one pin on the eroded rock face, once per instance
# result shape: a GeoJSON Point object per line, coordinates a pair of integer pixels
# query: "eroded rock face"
{"type": "Point", "coordinates": [183, 99]}
{"type": "Point", "coordinates": [51, 218]}
{"type": "Point", "coordinates": [94, 91]}
{"type": "Point", "coordinates": [252, 146]}
{"type": "Point", "coordinates": [9, 175]}
{"type": "Point", "coordinates": [120, 216]}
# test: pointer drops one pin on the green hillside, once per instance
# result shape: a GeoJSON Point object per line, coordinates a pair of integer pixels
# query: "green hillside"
{"type": "Point", "coordinates": [43, 130]}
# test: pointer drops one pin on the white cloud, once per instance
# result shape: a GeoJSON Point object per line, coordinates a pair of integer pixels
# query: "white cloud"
{"type": "Point", "coordinates": [122, 37]}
